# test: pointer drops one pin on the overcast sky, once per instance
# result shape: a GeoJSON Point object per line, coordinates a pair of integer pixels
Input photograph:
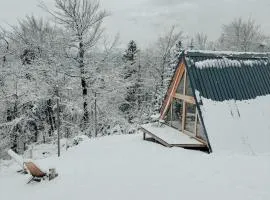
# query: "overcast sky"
{"type": "Point", "coordinates": [145, 20]}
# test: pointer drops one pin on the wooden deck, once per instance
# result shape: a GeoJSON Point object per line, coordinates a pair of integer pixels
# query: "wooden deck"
{"type": "Point", "coordinates": [170, 137]}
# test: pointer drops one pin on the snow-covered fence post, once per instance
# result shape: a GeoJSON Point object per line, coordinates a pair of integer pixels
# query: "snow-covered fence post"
{"type": "Point", "coordinates": [31, 151]}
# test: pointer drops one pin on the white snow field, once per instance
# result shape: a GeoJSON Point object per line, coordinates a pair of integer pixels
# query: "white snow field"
{"type": "Point", "coordinates": [238, 126]}
{"type": "Point", "coordinates": [128, 168]}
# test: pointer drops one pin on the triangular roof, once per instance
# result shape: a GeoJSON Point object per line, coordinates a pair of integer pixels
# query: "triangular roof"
{"type": "Point", "coordinates": [218, 77]}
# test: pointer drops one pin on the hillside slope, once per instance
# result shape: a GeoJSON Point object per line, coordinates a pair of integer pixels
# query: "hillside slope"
{"type": "Point", "coordinates": [125, 167]}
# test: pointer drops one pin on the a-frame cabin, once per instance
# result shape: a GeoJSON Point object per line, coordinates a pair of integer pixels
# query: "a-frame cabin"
{"type": "Point", "coordinates": [203, 82]}
{"type": "Point", "coordinates": [180, 113]}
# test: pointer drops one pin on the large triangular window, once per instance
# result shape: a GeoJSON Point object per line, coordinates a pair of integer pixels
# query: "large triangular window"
{"type": "Point", "coordinates": [181, 109]}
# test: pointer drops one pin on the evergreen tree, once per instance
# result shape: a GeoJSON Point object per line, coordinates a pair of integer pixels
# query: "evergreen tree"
{"type": "Point", "coordinates": [131, 52]}
{"type": "Point", "coordinates": [133, 76]}
{"type": "Point", "coordinates": [130, 57]}
{"type": "Point", "coordinates": [176, 52]}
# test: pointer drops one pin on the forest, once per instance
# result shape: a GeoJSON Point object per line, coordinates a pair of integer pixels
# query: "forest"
{"type": "Point", "coordinates": [70, 75]}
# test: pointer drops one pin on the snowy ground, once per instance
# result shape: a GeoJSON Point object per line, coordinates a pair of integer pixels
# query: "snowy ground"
{"type": "Point", "coordinates": [128, 168]}
{"type": "Point", "coordinates": [238, 126]}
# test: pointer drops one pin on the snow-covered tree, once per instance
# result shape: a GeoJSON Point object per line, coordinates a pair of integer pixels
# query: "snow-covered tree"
{"type": "Point", "coordinates": [132, 75]}
{"type": "Point", "coordinates": [164, 49]}
{"type": "Point", "coordinates": [200, 41]}
{"type": "Point", "coordinates": [131, 52]}
{"type": "Point", "coordinates": [241, 35]}
{"type": "Point", "coordinates": [4, 46]}
{"type": "Point", "coordinates": [108, 90]}
{"type": "Point", "coordinates": [33, 72]}
{"type": "Point", "coordinates": [82, 20]}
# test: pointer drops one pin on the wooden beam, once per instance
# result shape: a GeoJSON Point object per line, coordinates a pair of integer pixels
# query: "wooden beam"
{"type": "Point", "coordinates": [185, 81]}
{"type": "Point", "coordinates": [179, 77]}
{"type": "Point", "coordinates": [191, 146]}
{"type": "Point", "coordinates": [184, 103]}
{"type": "Point", "coordinates": [196, 121]}
{"type": "Point", "coordinates": [185, 98]}
{"type": "Point", "coordinates": [172, 89]}
{"type": "Point", "coordinates": [171, 111]}
{"type": "Point", "coordinates": [184, 116]}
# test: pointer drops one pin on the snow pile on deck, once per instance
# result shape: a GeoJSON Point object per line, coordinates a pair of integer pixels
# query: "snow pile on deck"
{"type": "Point", "coordinates": [170, 135]}
{"type": "Point", "coordinates": [238, 126]}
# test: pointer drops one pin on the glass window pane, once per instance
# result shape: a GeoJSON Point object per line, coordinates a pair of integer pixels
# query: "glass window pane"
{"type": "Point", "coordinates": [200, 131]}
{"type": "Point", "coordinates": [177, 113]}
{"type": "Point", "coordinates": [190, 117]}
{"type": "Point", "coordinates": [188, 88]}
{"type": "Point", "coordinates": [177, 107]}
{"type": "Point", "coordinates": [168, 117]}
{"type": "Point", "coordinates": [180, 88]}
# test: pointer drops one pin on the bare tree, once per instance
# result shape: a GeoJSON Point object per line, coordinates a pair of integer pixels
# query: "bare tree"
{"type": "Point", "coordinates": [162, 56]}
{"type": "Point", "coordinates": [240, 35]}
{"type": "Point", "coordinates": [201, 41]}
{"type": "Point", "coordinates": [165, 45]}
{"type": "Point", "coordinates": [109, 46]}
{"type": "Point", "coordinates": [83, 20]}
{"type": "Point", "coordinates": [4, 45]}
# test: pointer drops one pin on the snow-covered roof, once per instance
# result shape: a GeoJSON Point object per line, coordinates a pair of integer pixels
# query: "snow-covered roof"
{"type": "Point", "coordinates": [220, 77]}
{"type": "Point", "coordinates": [233, 92]}
{"type": "Point", "coordinates": [226, 62]}
{"type": "Point", "coordinates": [226, 53]}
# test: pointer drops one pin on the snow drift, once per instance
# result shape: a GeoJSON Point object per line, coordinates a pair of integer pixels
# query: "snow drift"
{"type": "Point", "coordinates": [238, 126]}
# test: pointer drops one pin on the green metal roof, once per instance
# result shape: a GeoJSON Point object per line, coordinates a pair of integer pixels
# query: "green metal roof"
{"type": "Point", "coordinates": [228, 75]}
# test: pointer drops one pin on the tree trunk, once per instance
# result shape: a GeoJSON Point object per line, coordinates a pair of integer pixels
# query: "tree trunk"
{"type": "Point", "coordinates": [162, 80]}
{"type": "Point", "coordinates": [83, 82]}
{"type": "Point", "coordinates": [36, 133]}
{"type": "Point", "coordinates": [162, 76]}
{"type": "Point", "coordinates": [58, 123]}
{"type": "Point", "coordinates": [96, 114]}
{"type": "Point", "coordinates": [50, 116]}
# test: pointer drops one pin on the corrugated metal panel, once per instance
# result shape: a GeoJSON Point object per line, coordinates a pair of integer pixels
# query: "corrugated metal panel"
{"type": "Point", "coordinates": [238, 77]}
